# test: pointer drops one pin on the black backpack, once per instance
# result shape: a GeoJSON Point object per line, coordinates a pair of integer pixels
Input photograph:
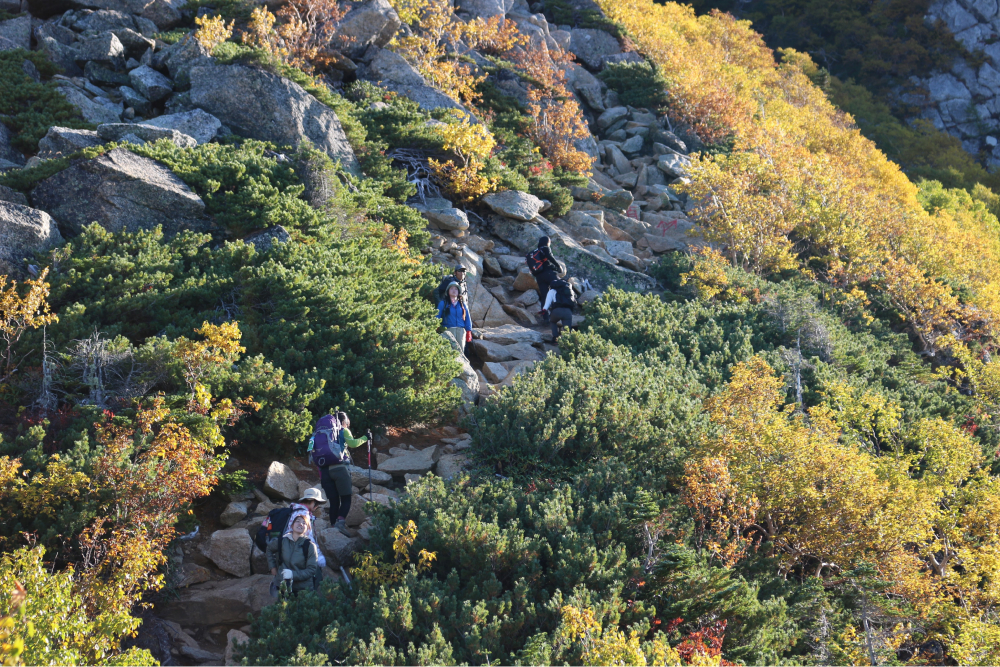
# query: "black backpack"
{"type": "Point", "coordinates": [564, 294]}
{"type": "Point", "coordinates": [271, 528]}
{"type": "Point", "coordinates": [536, 261]}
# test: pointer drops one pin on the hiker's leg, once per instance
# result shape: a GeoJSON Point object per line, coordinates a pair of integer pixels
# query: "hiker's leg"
{"type": "Point", "coordinates": [330, 489]}
{"type": "Point", "coordinates": [554, 322]}
{"type": "Point", "coordinates": [562, 316]}
{"type": "Point", "coordinates": [459, 334]}
{"type": "Point", "coordinates": [345, 507]}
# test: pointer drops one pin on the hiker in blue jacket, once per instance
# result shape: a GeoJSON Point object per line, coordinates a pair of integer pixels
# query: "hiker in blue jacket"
{"type": "Point", "coordinates": [454, 315]}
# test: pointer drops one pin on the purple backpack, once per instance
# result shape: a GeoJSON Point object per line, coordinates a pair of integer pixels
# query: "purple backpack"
{"type": "Point", "coordinates": [328, 442]}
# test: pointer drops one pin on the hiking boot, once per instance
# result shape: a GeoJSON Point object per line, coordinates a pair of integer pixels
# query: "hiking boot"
{"type": "Point", "coordinates": [341, 525]}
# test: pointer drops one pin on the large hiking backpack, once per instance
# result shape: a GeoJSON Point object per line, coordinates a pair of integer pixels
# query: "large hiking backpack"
{"type": "Point", "coordinates": [328, 442]}
{"type": "Point", "coordinates": [536, 261]}
{"type": "Point", "coordinates": [565, 298]}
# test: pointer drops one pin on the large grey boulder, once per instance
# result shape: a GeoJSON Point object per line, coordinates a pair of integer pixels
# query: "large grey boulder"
{"type": "Point", "coordinates": [359, 476]}
{"type": "Point", "coordinates": [599, 268]}
{"type": "Point", "coordinates": [15, 33]}
{"type": "Point", "coordinates": [415, 463]}
{"type": "Point", "coordinates": [219, 602]}
{"type": "Point", "coordinates": [442, 215]}
{"type": "Point", "coordinates": [337, 547]}
{"type": "Point", "coordinates": [92, 112]}
{"type": "Point", "coordinates": [12, 196]}
{"type": "Point", "coordinates": [62, 55]}
{"type": "Point", "coordinates": [118, 131]}
{"type": "Point", "coordinates": [235, 512]}
{"type": "Point", "coordinates": [23, 232]}
{"type": "Point", "coordinates": [451, 465]}
{"type": "Point", "coordinates": [373, 22]}
{"type": "Point", "coordinates": [164, 13]}
{"type": "Point", "coordinates": [150, 83]}
{"type": "Point", "coordinates": [103, 20]}
{"type": "Point", "coordinates": [261, 105]}
{"type": "Point", "coordinates": [591, 46]}
{"type": "Point", "coordinates": [120, 191]}
{"type": "Point", "coordinates": [393, 72]}
{"type": "Point", "coordinates": [104, 48]}
{"type": "Point", "coordinates": [674, 166]}
{"type": "Point", "coordinates": [511, 334]}
{"type": "Point", "coordinates": [195, 123]}
{"type": "Point", "coordinates": [514, 204]}
{"type": "Point", "coordinates": [228, 549]}
{"type": "Point", "coordinates": [281, 482]}
{"type": "Point", "coordinates": [63, 141]}
{"type": "Point", "coordinates": [265, 239]}
{"type": "Point", "coordinates": [482, 8]}
{"type": "Point", "coordinates": [523, 235]}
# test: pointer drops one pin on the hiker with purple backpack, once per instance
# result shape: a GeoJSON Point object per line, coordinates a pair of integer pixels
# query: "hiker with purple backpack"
{"type": "Point", "coordinates": [329, 449]}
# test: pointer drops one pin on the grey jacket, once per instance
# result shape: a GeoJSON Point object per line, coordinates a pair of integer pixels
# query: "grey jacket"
{"type": "Point", "coordinates": [299, 556]}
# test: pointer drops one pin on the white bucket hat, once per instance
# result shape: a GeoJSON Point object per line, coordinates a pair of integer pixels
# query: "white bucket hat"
{"type": "Point", "coordinates": [312, 493]}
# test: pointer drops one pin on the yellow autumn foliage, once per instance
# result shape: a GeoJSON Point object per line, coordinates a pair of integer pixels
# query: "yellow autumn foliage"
{"type": "Point", "coordinates": [802, 184]}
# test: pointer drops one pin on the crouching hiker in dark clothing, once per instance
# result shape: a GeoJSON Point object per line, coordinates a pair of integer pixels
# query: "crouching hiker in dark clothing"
{"type": "Point", "coordinates": [292, 559]}
{"type": "Point", "coordinates": [559, 303]}
{"type": "Point", "coordinates": [545, 268]}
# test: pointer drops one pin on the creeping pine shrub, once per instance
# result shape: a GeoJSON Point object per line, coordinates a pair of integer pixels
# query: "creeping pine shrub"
{"type": "Point", "coordinates": [29, 108]}
{"type": "Point", "coordinates": [637, 84]}
{"type": "Point", "coordinates": [509, 557]}
{"type": "Point", "coordinates": [337, 317]}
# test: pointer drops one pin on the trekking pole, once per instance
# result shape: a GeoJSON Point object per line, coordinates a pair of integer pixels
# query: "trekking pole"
{"type": "Point", "coordinates": [370, 489]}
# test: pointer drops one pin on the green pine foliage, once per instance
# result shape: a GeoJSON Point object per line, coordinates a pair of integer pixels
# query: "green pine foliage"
{"type": "Point", "coordinates": [637, 84]}
{"type": "Point", "coordinates": [338, 322]}
{"type": "Point", "coordinates": [30, 108]}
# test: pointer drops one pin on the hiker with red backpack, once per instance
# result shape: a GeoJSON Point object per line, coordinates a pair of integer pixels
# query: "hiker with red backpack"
{"type": "Point", "coordinates": [329, 450]}
{"type": "Point", "coordinates": [545, 268]}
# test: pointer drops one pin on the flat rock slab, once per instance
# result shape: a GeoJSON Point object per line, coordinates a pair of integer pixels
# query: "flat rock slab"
{"type": "Point", "coordinates": [265, 106]}
{"type": "Point", "coordinates": [195, 123]}
{"type": "Point", "coordinates": [489, 351]}
{"type": "Point", "coordinates": [414, 463]}
{"type": "Point", "coordinates": [219, 602]}
{"type": "Point", "coordinates": [122, 192]}
{"type": "Point", "coordinates": [511, 334]}
{"type": "Point", "coordinates": [64, 141]}
{"type": "Point", "coordinates": [514, 204]}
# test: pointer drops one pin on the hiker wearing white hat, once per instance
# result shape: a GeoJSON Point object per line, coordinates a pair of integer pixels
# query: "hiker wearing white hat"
{"type": "Point", "coordinates": [310, 501]}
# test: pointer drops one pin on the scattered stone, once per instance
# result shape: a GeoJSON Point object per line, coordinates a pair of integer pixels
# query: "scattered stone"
{"type": "Point", "coordinates": [410, 478]}
{"type": "Point", "coordinates": [510, 262]}
{"type": "Point", "coordinates": [494, 372]}
{"type": "Point", "coordinates": [523, 235]}
{"type": "Point", "coordinates": [529, 298]}
{"type": "Point", "coordinates": [591, 46]}
{"type": "Point", "coordinates": [514, 204]}
{"type": "Point", "coordinates": [234, 640]}
{"type": "Point", "coordinates": [521, 367]}
{"type": "Point", "coordinates": [122, 192]}
{"type": "Point", "coordinates": [234, 513]}
{"type": "Point", "coordinates": [673, 165]}
{"type": "Point", "coordinates": [524, 352]}
{"type": "Point", "coordinates": [511, 334]}
{"type": "Point", "coordinates": [263, 240]}
{"type": "Point", "coordinates": [189, 574]}
{"type": "Point", "coordinates": [611, 116]}
{"type": "Point", "coordinates": [338, 547]}
{"type": "Point", "coordinates": [15, 33]}
{"type": "Point", "coordinates": [133, 99]}
{"type": "Point", "coordinates": [448, 218]}
{"type": "Point", "coordinates": [372, 22]}
{"type": "Point", "coordinates": [104, 48]}
{"type": "Point", "coordinates": [524, 280]}
{"type": "Point", "coordinates": [229, 549]}
{"type": "Point", "coordinates": [451, 465]}
{"type": "Point", "coordinates": [23, 232]}
{"type": "Point", "coordinates": [619, 200]}
{"type": "Point", "coordinates": [261, 105]}
{"type": "Point", "coordinates": [281, 482]}
{"type": "Point", "coordinates": [359, 476]}
{"type": "Point", "coordinates": [12, 196]}
{"type": "Point", "coordinates": [492, 266]}
{"type": "Point", "coordinates": [150, 83]}
{"type": "Point", "coordinates": [488, 351]}
{"type": "Point", "coordinates": [92, 112]}
{"type": "Point", "coordinates": [118, 131]}
{"type": "Point", "coordinates": [419, 462]}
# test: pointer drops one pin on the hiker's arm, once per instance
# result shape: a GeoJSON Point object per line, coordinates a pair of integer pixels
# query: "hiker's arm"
{"type": "Point", "coordinates": [440, 309]}
{"type": "Point", "coordinates": [309, 571]}
{"type": "Point", "coordinates": [549, 299]}
{"type": "Point", "coordinates": [351, 442]}
{"type": "Point", "coordinates": [468, 319]}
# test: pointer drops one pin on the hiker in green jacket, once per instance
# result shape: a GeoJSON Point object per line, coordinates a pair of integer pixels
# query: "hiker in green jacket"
{"type": "Point", "coordinates": [292, 559]}
{"type": "Point", "coordinates": [336, 480]}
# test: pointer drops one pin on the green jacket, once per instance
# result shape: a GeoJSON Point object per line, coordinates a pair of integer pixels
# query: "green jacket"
{"type": "Point", "coordinates": [350, 441]}
{"type": "Point", "coordinates": [299, 556]}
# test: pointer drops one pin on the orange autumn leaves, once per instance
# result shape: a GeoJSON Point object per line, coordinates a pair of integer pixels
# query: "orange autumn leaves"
{"type": "Point", "coordinates": [801, 186]}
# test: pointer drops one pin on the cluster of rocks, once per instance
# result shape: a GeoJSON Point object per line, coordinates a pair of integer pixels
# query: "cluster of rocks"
{"type": "Point", "coordinates": [220, 577]}
{"type": "Point", "coordinates": [965, 101]}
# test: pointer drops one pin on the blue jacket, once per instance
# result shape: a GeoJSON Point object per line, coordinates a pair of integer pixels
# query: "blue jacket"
{"type": "Point", "coordinates": [455, 316]}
